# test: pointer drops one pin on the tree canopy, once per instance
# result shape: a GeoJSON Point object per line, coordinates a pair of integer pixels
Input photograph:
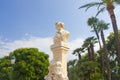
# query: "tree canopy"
{"type": "Point", "coordinates": [102, 64]}
{"type": "Point", "coordinates": [30, 64]}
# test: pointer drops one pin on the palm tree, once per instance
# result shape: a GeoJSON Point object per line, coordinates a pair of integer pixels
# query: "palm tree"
{"type": "Point", "coordinates": [89, 45]}
{"type": "Point", "coordinates": [92, 22]}
{"type": "Point", "coordinates": [104, 26]}
{"type": "Point", "coordinates": [78, 52]}
{"type": "Point", "coordinates": [109, 5]}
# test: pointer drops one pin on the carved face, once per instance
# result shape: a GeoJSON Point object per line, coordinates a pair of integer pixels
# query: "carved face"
{"type": "Point", "coordinates": [59, 26]}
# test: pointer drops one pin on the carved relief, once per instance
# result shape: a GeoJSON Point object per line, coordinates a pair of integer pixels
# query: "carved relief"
{"type": "Point", "coordinates": [56, 71]}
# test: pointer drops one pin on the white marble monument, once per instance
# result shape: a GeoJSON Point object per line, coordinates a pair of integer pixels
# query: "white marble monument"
{"type": "Point", "coordinates": [58, 66]}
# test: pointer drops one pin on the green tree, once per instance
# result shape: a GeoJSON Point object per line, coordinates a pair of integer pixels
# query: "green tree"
{"type": "Point", "coordinates": [104, 26]}
{"type": "Point", "coordinates": [84, 69]}
{"type": "Point", "coordinates": [109, 5]}
{"type": "Point", "coordinates": [73, 70]}
{"type": "Point", "coordinates": [78, 52]}
{"type": "Point", "coordinates": [98, 27]}
{"type": "Point", "coordinates": [93, 22]}
{"type": "Point", "coordinates": [5, 68]}
{"type": "Point", "coordinates": [89, 46]}
{"type": "Point", "coordinates": [113, 56]}
{"type": "Point", "coordinates": [30, 64]}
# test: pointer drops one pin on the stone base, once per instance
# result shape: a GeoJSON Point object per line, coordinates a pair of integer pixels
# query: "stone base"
{"type": "Point", "coordinates": [56, 71]}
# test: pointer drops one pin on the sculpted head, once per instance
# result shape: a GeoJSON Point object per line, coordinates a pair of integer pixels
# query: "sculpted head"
{"type": "Point", "coordinates": [59, 25]}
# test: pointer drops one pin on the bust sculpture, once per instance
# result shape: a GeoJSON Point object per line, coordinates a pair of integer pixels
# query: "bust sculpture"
{"type": "Point", "coordinates": [58, 65]}
{"type": "Point", "coordinates": [61, 35]}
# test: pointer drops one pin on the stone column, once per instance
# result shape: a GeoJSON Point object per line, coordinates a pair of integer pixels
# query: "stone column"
{"type": "Point", "coordinates": [58, 66]}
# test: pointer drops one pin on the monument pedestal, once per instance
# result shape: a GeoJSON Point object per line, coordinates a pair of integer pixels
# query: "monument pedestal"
{"type": "Point", "coordinates": [60, 54]}
{"type": "Point", "coordinates": [58, 66]}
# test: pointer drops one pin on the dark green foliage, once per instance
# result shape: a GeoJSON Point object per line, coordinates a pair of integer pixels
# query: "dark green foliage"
{"type": "Point", "coordinates": [113, 56]}
{"type": "Point", "coordinates": [5, 68]}
{"type": "Point", "coordinates": [110, 6]}
{"type": "Point", "coordinates": [30, 65]}
{"type": "Point", "coordinates": [84, 69]}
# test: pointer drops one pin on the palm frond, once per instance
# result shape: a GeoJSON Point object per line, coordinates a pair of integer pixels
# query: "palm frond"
{"type": "Point", "coordinates": [76, 51]}
{"type": "Point", "coordinates": [101, 10]}
{"type": "Point", "coordinates": [91, 21]}
{"type": "Point", "coordinates": [88, 41]}
{"type": "Point", "coordinates": [102, 3]}
{"type": "Point", "coordinates": [102, 26]}
{"type": "Point", "coordinates": [89, 5]}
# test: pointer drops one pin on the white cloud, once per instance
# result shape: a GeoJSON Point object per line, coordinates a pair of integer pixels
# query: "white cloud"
{"type": "Point", "coordinates": [76, 43]}
{"type": "Point", "coordinates": [43, 44]}
{"type": "Point", "coordinates": [97, 47]}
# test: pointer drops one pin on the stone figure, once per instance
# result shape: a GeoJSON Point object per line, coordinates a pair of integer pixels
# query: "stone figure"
{"type": "Point", "coordinates": [61, 35]}
{"type": "Point", "coordinates": [58, 66]}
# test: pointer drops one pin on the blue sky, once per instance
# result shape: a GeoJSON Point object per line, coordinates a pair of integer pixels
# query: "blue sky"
{"type": "Point", "coordinates": [25, 20]}
{"type": "Point", "coordinates": [37, 17]}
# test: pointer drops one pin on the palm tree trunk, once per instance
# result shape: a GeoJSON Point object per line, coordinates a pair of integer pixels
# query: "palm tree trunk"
{"type": "Point", "coordinates": [79, 56]}
{"type": "Point", "coordinates": [98, 38]}
{"type": "Point", "coordinates": [106, 56]}
{"type": "Point", "coordinates": [110, 9]}
{"type": "Point", "coordinates": [92, 51]}
{"type": "Point", "coordinates": [101, 54]}
{"type": "Point", "coordinates": [115, 29]}
{"type": "Point", "coordinates": [89, 53]}
{"type": "Point", "coordinates": [102, 63]}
